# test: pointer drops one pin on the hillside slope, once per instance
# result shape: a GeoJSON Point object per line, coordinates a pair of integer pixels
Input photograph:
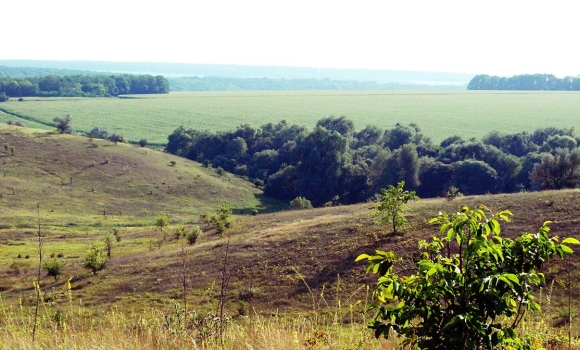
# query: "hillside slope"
{"type": "Point", "coordinates": [281, 263]}
{"type": "Point", "coordinates": [79, 180]}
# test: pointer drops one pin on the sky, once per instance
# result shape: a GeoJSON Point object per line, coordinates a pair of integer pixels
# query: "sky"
{"type": "Point", "coordinates": [506, 37]}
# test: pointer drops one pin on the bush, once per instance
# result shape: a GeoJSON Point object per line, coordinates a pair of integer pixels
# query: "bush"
{"type": "Point", "coordinates": [95, 259]}
{"type": "Point", "coordinates": [63, 124]}
{"type": "Point", "coordinates": [143, 142]}
{"type": "Point", "coordinates": [193, 235]}
{"type": "Point", "coordinates": [54, 267]}
{"type": "Point", "coordinates": [179, 231]}
{"type": "Point", "coordinates": [468, 287]}
{"type": "Point", "coordinates": [220, 219]}
{"type": "Point", "coordinates": [300, 203]}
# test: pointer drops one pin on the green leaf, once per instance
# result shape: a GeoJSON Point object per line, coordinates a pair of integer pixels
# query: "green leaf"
{"type": "Point", "coordinates": [571, 240]}
{"type": "Point", "coordinates": [567, 250]}
{"type": "Point", "coordinates": [361, 257]}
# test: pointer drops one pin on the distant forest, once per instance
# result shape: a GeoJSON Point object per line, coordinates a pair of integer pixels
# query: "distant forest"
{"type": "Point", "coordinates": [83, 85]}
{"type": "Point", "coordinates": [214, 77]}
{"type": "Point", "coordinates": [524, 82]}
{"type": "Point", "coordinates": [334, 163]}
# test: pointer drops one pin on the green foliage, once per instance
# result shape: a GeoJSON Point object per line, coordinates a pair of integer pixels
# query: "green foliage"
{"type": "Point", "coordinates": [63, 124]}
{"type": "Point", "coordinates": [452, 193]}
{"type": "Point", "coordinates": [161, 222]}
{"type": "Point", "coordinates": [221, 219]}
{"type": "Point", "coordinates": [193, 235]}
{"type": "Point", "coordinates": [95, 259]}
{"type": "Point", "coordinates": [393, 205]}
{"type": "Point", "coordinates": [560, 170]}
{"type": "Point", "coordinates": [468, 288]}
{"type": "Point", "coordinates": [108, 242]}
{"type": "Point", "coordinates": [300, 203]}
{"type": "Point", "coordinates": [54, 267]}
{"type": "Point", "coordinates": [179, 231]}
{"type": "Point", "coordinates": [116, 138]}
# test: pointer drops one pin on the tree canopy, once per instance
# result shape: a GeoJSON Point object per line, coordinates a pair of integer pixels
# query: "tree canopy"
{"type": "Point", "coordinates": [336, 160]}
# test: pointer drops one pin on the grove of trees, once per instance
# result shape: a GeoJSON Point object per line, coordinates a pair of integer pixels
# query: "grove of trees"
{"type": "Point", "coordinates": [334, 160]}
{"type": "Point", "coordinates": [83, 85]}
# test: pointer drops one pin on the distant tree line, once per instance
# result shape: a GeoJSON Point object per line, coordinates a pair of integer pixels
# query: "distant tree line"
{"type": "Point", "coordinates": [84, 86]}
{"type": "Point", "coordinates": [524, 82]}
{"type": "Point", "coordinates": [335, 163]}
{"type": "Point", "coordinates": [253, 84]}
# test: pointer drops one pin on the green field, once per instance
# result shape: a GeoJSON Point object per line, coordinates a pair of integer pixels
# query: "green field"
{"type": "Point", "coordinates": [438, 113]}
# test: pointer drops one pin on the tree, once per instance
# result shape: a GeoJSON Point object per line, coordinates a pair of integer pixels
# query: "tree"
{"type": "Point", "coordinates": [393, 205]}
{"type": "Point", "coordinates": [108, 242]}
{"type": "Point", "coordinates": [63, 124]}
{"type": "Point", "coordinates": [161, 222]}
{"type": "Point", "coordinates": [561, 170]}
{"type": "Point", "coordinates": [220, 219]}
{"type": "Point", "coordinates": [95, 259]}
{"type": "Point", "coordinates": [468, 288]}
{"type": "Point", "coordinates": [54, 267]}
{"type": "Point", "coordinates": [116, 138]}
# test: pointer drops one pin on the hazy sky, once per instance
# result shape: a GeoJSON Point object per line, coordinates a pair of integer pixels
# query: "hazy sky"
{"type": "Point", "coordinates": [504, 37]}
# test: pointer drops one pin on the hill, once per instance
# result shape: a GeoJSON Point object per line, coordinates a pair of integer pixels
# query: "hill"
{"type": "Point", "coordinates": [84, 191]}
{"type": "Point", "coordinates": [86, 182]}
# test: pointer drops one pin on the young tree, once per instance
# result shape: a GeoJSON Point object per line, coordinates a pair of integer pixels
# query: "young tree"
{"type": "Point", "coordinates": [193, 235]}
{"type": "Point", "coordinates": [468, 288]}
{"type": "Point", "coordinates": [161, 223]}
{"type": "Point", "coordinates": [54, 267]}
{"type": "Point", "coordinates": [95, 259]}
{"type": "Point", "coordinates": [221, 219]}
{"type": "Point", "coordinates": [108, 241]}
{"type": "Point", "coordinates": [393, 205]}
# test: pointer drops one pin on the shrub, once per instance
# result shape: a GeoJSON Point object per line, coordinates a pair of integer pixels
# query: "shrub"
{"type": "Point", "coordinates": [179, 231]}
{"type": "Point", "coordinates": [63, 124]}
{"type": "Point", "coordinates": [468, 287]}
{"type": "Point", "coordinates": [220, 219]}
{"type": "Point", "coordinates": [193, 235]}
{"type": "Point", "coordinates": [300, 203]}
{"type": "Point", "coordinates": [95, 259]}
{"type": "Point", "coordinates": [54, 267]}
{"type": "Point", "coordinates": [143, 142]}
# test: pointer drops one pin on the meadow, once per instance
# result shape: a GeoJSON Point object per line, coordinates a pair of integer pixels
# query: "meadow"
{"type": "Point", "coordinates": [439, 114]}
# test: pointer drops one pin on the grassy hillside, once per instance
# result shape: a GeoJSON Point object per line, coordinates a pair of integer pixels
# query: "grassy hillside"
{"type": "Point", "coordinates": [94, 182]}
{"type": "Point", "coordinates": [439, 114]}
{"type": "Point", "coordinates": [294, 268]}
